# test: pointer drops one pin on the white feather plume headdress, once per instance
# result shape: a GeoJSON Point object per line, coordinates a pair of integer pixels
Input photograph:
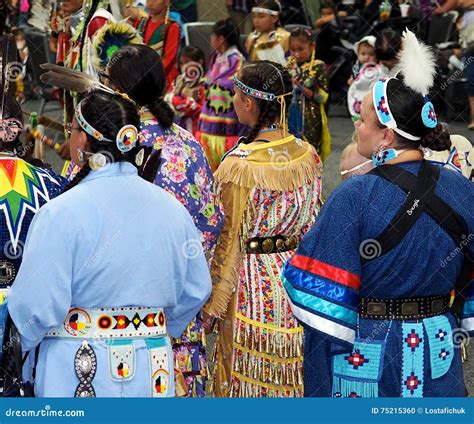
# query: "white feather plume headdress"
{"type": "Point", "coordinates": [417, 64]}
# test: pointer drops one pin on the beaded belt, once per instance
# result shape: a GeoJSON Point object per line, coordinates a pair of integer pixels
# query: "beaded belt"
{"type": "Point", "coordinates": [109, 323]}
{"type": "Point", "coordinates": [404, 309]}
{"type": "Point", "coordinates": [271, 244]}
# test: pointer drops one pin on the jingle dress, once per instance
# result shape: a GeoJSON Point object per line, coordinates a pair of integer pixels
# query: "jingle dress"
{"type": "Point", "coordinates": [350, 356]}
{"type": "Point", "coordinates": [264, 194]}
{"type": "Point", "coordinates": [308, 117]}
{"type": "Point", "coordinates": [114, 241]}
{"type": "Point", "coordinates": [184, 172]}
{"type": "Point", "coordinates": [219, 128]}
{"type": "Point", "coordinates": [271, 45]}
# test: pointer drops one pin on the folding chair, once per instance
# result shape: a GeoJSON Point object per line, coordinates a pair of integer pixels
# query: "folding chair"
{"type": "Point", "coordinates": [198, 34]}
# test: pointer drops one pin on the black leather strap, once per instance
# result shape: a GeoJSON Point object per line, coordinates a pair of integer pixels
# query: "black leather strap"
{"type": "Point", "coordinates": [423, 188]}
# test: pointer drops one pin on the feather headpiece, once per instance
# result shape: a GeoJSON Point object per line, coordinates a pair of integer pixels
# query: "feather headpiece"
{"type": "Point", "coordinates": [76, 81]}
{"type": "Point", "coordinates": [417, 62]}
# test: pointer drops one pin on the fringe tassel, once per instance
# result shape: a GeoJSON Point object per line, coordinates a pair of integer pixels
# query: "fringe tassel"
{"type": "Point", "coordinates": [300, 169]}
{"type": "Point", "coordinates": [243, 388]}
{"type": "Point", "coordinates": [351, 388]}
{"type": "Point", "coordinates": [268, 340]}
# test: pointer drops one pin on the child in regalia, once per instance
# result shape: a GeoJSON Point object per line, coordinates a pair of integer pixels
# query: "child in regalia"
{"type": "Point", "coordinates": [308, 116]}
{"type": "Point", "coordinates": [364, 74]}
{"type": "Point", "coordinates": [187, 93]}
{"type": "Point", "coordinates": [219, 128]}
{"type": "Point", "coordinates": [268, 41]}
{"type": "Point", "coordinates": [161, 34]}
{"type": "Point", "coordinates": [270, 187]}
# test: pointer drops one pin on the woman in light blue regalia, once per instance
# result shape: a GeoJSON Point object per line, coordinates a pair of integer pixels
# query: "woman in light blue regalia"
{"type": "Point", "coordinates": [371, 281]}
{"type": "Point", "coordinates": [111, 269]}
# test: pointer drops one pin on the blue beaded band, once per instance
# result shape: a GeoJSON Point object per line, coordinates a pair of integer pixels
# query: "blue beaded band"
{"type": "Point", "coordinates": [88, 128]}
{"type": "Point", "coordinates": [253, 91]}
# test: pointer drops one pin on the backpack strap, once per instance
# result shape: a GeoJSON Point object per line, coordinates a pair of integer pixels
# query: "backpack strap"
{"type": "Point", "coordinates": [421, 197]}
{"type": "Point", "coordinates": [417, 188]}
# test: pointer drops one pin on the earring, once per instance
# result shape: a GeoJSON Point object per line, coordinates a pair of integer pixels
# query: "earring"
{"type": "Point", "coordinates": [97, 161]}
{"type": "Point", "coordinates": [140, 157]}
{"type": "Point", "coordinates": [383, 155]}
{"type": "Point", "coordinates": [80, 155]}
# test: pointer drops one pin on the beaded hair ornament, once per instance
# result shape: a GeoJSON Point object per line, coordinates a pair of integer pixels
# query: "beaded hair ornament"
{"type": "Point", "coordinates": [418, 70]}
{"type": "Point", "coordinates": [266, 96]}
{"type": "Point", "coordinates": [126, 138]}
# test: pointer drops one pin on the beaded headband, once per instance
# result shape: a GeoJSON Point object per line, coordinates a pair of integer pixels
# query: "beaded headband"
{"type": "Point", "coordinates": [125, 140]}
{"type": "Point", "coordinates": [265, 10]}
{"type": "Point", "coordinates": [253, 91]}
{"type": "Point", "coordinates": [89, 129]}
{"type": "Point", "coordinates": [386, 118]}
{"type": "Point", "coordinates": [263, 95]}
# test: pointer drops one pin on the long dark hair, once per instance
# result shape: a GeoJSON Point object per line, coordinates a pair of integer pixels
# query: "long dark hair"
{"type": "Point", "coordinates": [406, 105]}
{"type": "Point", "coordinates": [138, 71]}
{"type": "Point", "coordinates": [107, 113]}
{"type": "Point", "coordinates": [269, 77]}
{"type": "Point", "coordinates": [230, 31]}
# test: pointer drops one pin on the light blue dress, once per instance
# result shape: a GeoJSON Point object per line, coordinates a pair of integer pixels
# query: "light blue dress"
{"type": "Point", "coordinates": [114, 240]}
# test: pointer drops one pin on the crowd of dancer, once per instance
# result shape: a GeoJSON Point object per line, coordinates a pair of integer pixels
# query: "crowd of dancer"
{"type": "Point", "coordinates": [191, 203]}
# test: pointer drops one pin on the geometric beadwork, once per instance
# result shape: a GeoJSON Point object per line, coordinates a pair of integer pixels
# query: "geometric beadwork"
{"type": "Point", "coordinates": [413, 360]}
{"type": "Point", "coordinates": [441, 347]}
{"type": "Point", "coordinates": [413, 340]}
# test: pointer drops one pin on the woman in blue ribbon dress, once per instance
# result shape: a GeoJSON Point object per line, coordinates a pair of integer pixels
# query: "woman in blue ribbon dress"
{"type": "Point", "coordinates": [109, 270]}
{"type": "Point", "coordinates": [371, 281]}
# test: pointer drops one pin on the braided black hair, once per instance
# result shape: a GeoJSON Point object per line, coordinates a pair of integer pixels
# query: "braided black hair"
{"type": "Point", "coordinates": [230, 31]}
{"type": "Point", "coordinates": [82, 38]}
{"type": "Point", "coordinates": [406, 105]}
{"type": "Point", "coordinates": [107, 113]}
{"type": "Point", "coordinates": [138, 71]}
{"type": "Point", "coordinates": [272, 78]}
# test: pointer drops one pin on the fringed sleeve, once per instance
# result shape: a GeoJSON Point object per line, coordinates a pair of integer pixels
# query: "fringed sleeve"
{"type": "Point", "coordinates": [227, 256]}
